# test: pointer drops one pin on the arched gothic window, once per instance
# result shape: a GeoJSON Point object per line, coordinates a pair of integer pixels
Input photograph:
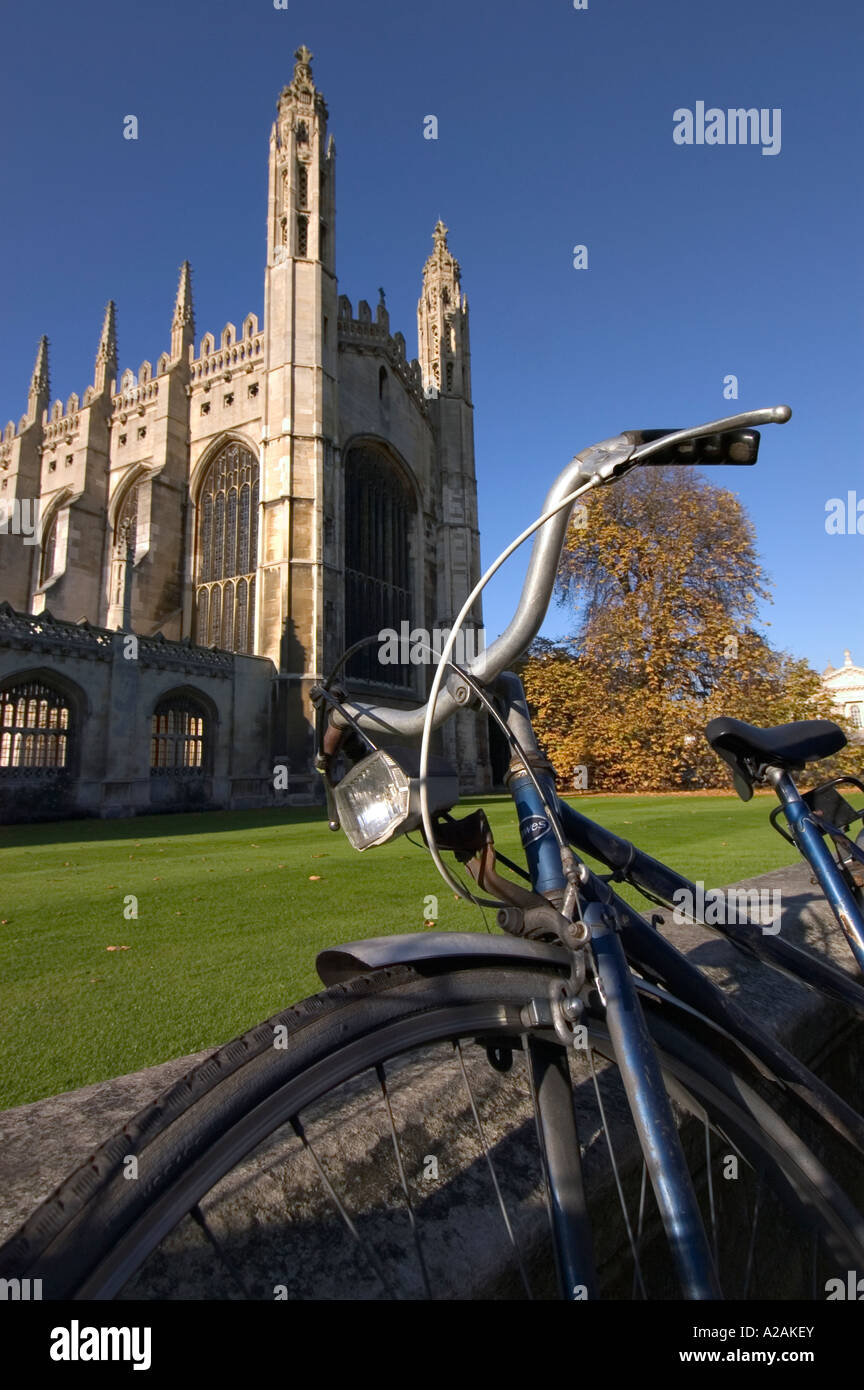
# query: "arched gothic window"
{"type": "Point", "coordinates": [379, 508]}
{"type": "Point", "coordinates": [125, 540]}
{"type": "Point", "coordinates": [35, 728]}
{"type": "Point", "coordinates": [126, 526]}
{"type": "Point", "coordinates": [180, 737]}
{"type": "Point", "coordinates": [48, 558]}
{"type": "Point", "coordinates": [227, 551]}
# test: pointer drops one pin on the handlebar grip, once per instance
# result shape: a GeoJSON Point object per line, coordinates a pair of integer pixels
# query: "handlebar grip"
{"type": "Point", "coordinates": [726, 447]}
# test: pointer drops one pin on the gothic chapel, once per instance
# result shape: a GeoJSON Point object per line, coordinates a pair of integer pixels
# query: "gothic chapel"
{"type": "Point", "coordinates": [213, 532]}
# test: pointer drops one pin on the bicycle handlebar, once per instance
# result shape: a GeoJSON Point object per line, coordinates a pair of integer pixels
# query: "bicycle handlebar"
{"type": "Point", "coordinates": [598, 464]}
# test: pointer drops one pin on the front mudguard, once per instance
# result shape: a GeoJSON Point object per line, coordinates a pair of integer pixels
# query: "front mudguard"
{"type": "Point", "coordinates": [436, 951]}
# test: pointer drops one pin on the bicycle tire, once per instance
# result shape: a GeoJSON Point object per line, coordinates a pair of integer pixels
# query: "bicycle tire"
{"type": "Point", "coordinates": [95, 1233]}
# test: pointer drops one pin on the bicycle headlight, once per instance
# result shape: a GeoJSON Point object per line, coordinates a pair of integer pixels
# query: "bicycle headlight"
{"type": "Point", "coordinates": [380, 797]}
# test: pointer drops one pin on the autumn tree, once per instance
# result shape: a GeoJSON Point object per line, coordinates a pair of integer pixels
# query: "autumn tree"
{"type": "Point", "coordinates": [662, 575]}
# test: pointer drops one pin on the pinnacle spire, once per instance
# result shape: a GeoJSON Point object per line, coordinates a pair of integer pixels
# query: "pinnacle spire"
{"type": "Point", "coordinates": [107, 352]}
{"type": "Point", "coordinates": [40, 383]}
{"type": "Point", "coordinates": [441, 260]}
{"type": "Point", "coordinates": [183, 310]}
{"type": "Point", "coordinates": [301, 89]}
{"type": "Point", "coordinates": [106, 355]}
{"type": "Point", "coordinates": [183, 323]}
{"type": "Point", "coordinates": [442, 323]}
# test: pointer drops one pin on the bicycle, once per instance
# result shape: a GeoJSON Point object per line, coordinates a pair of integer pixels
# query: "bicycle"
{"type": "Point", "coordinates": [611, 1031]}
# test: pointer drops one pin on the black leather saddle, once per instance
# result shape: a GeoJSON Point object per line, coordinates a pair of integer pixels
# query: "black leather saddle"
{"type": "Point", "coordinates": [747, 749]}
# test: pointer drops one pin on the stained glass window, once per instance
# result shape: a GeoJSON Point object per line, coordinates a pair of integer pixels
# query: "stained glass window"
{"type": "Point", "coordinates": [35, 727]}
{"type": "Point", "coordinates": [178, 742]}
{"type": "Point", "coordinates": [227, 551]}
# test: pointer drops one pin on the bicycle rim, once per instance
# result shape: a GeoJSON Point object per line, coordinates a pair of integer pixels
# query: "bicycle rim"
{"type": "Point", "coordinates": [389, 1149]}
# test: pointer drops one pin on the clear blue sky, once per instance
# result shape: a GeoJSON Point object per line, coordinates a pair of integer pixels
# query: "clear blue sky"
{"type": "Point", "coordinates": [555, 129]}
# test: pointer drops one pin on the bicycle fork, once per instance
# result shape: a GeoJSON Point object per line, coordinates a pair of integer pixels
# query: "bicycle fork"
{"type": "Point", "coordinates": [634, 1052]}
{"type": "Point", "coordinates": [655, 1125]}
{"type": "Point", "coordinates": [651, 1110]}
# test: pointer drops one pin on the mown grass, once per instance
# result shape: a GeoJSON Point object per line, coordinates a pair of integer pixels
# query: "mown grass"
{"type": "Point", "coordinates": [232, 909]}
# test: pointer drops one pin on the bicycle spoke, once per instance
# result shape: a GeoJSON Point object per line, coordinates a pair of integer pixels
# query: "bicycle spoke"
{"type": "Point", "coordinates": [711, 1206]}
{"type": "Point", "coordinates": [365, 1247]}
{"type": "Point", "coordinates": [510, 1232]}
{"type": "Point", "coordinates": [379, 1070]}
{"type": "Point", "coordinates": [642, 1191]}
{"type": "Point", "coordinates": [201, 1221]}
{"type": "Point", "coordinates": [637, 1268]}
{"type": "Point", "coordinates": [750, 1252]}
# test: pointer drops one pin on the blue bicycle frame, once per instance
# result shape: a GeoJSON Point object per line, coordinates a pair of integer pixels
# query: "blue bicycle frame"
{"type": "Point", "coordinates": [620, 936]}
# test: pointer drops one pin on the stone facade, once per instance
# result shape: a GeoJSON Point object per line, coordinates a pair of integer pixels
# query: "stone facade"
{"type": "Point", "coordinates": [845, 685]}
{"type": "Point", "coordinates": [260, 500]}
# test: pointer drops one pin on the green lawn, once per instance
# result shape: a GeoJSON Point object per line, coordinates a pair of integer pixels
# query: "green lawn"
{"type": "Point", "coordinates": [232, 908]}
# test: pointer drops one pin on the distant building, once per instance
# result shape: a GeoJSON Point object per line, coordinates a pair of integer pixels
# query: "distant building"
{"type": "Point", "coordinates": [845, 685]}
{"type": "Point", "coordinates": [246, 509]}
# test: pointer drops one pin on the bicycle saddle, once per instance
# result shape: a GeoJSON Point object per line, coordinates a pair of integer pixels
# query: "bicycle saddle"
{"type": "Point", "coordinates": [746, 748]}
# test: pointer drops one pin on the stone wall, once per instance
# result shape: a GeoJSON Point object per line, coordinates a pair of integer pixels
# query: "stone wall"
{"type": "Point", "coordinates": [113, 682]}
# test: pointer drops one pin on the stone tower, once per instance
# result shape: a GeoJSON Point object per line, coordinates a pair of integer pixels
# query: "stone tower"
{"type": "Point", "coordinates": [300, 393]}
{"type": "Point", "coordinates": [445, 365]}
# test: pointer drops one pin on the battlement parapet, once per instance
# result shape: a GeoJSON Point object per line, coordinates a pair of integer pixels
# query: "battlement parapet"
{"type": "Point", "coordinates": [60, 427]}
{"type": "Point", "coordinates": [44, 633]}
{"type": "Point", "coordinates": [223, 361]}
{"type": "Point", "coordinates": [134, 397]}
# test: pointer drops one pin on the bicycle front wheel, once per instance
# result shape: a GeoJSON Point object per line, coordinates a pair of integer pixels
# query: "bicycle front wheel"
{"type": "Point", "coordinates": [380, 1140]}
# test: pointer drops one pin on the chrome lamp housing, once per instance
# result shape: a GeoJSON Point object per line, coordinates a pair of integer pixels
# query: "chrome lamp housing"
{"type": "Point", "coordinates": [380, 797]}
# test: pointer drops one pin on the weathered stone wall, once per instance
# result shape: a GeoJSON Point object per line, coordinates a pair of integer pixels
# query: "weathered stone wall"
{"type": "Point", "coordinates": [113, 688]}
